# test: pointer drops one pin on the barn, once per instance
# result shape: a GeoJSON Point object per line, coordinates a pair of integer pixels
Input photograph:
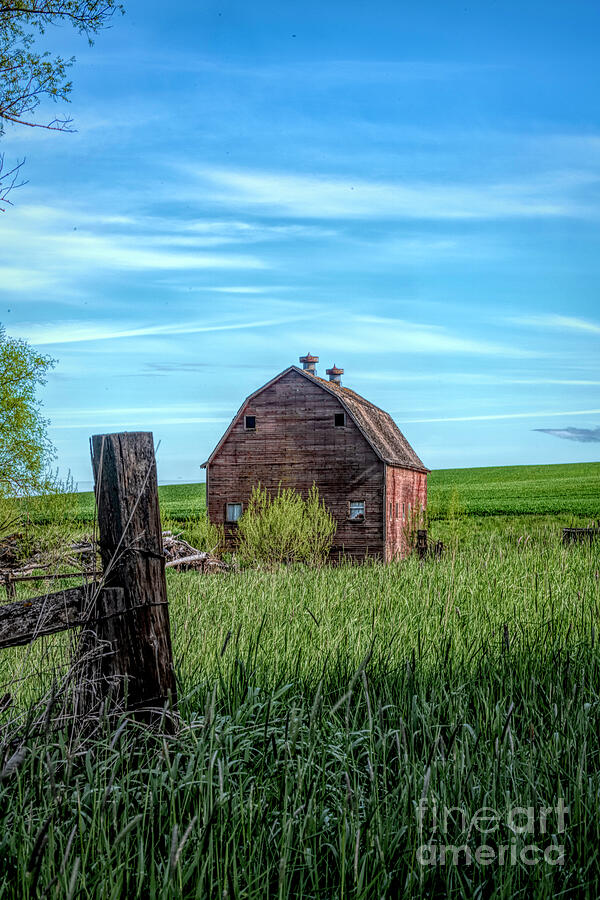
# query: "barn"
{"type": "Point", "coordinates": [300, 429]}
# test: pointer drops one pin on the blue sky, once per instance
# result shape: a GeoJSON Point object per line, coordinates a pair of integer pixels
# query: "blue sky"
{"type": "Point", "coordinates": [409, 190]}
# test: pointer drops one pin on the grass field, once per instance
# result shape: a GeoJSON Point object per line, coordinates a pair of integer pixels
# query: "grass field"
{"type": "Point", "coordinates": [520, 490]}
{"type": "Point", "coordinates": [330, 717]}
{"type": "Point", "coordinates": [504, 490]}
{"type": "Point", "coordinates": [177, 501]}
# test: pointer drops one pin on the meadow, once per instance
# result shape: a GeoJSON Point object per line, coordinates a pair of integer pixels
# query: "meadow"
{"type": "Point", "coordinates": [503, 490]}
{"type": "Point", "coordinates": [352, 731]}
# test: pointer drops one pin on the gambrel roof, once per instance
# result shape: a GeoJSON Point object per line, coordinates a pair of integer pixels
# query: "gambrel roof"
{"type": "Point", "coordinates": [376, 426]}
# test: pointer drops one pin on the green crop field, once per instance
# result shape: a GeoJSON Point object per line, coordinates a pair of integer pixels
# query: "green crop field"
{"type": "Point", "coordinates": [503, 490]}
{"type": "Point", "coordinates": [177, 501]}
{"type": "Point", "coordinates": [360, 732]}
{"type": "Point", "coordinates": [519, 490]}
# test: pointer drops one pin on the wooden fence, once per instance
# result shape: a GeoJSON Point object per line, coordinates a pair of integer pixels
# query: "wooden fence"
{"type": "Point", "coordinates": [580, 535]}
{"type": "Point", "coordinates": [124, 615]}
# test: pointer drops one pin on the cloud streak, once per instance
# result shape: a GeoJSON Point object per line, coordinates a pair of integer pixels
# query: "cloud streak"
{"type": "Point", "coordinates": [582, 435]}
{"type": "Point", "coordinates": [521, 415]}
{"type": "Point", "coordinates": [80, 332]}
{"type": "Point", "coordinates": [470, 378]}
{"type": "Point", "coordinates": [149, 419]}
{"type": "Point", "coordinates": [177, 414]}
{"type": "Point", "coordinates": [379, 334]}
{"type": "Point", "coordinates": [561, 323]}
{"type": "Point", "coordinates": [326, 197]}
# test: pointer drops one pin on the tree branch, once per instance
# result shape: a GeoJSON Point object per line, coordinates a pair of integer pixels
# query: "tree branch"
{"type": "Point", "coordinates": [9, 181]}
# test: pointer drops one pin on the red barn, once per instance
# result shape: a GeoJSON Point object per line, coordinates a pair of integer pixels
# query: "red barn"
{"type": "Point", "coordinates": [298, 429]}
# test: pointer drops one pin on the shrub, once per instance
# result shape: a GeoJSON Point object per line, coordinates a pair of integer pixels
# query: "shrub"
{"type": "Point", "coordinates": [57, 504]}
{"type": "Point", "coordinates": [285, 528]}
{"type": "Point", "coordinates": [44, 521]}
{"type": "Point", "coordinates": [10, 516]}
{"type": "Point", "coordinates": [199, 532]}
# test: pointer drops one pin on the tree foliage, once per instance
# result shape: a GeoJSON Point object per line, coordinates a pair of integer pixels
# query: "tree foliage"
{"type": "Point", "coordinates": [30, 74]}
{"type": "Point", "coordinates": [25, 449]}
{"type": "Point", "coordinates": [27, 76]}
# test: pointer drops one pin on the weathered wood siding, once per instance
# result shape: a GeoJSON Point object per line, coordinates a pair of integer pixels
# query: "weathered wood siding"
{"type": "Point", "coordinates": [405, 492]}
{"type": "Point", "coordinates": [296, 443]}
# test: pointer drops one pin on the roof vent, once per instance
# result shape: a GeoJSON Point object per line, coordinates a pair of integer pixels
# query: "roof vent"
{"type": "Point", "coordinates": [309, 362]}
{"type": "Point", "coordinates": [335, 374]}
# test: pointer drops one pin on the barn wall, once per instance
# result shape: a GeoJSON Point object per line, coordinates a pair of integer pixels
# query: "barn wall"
{"type": "Point", "coordinates": [296, 443]}
{"type": "Point", "coordinates": [406, 490]}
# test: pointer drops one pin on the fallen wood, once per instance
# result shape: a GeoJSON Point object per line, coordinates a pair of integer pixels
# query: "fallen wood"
{"type": "Point", "coordinates": [200, 561]}
{"type": "Point", "coordinates": [178, 554]}
{"type": "Point", "coordinates": [24, 621]}
{"type": "Point", "coordinates": [185, 560]}
{"type": "Point", "coordinates": [174, 547]}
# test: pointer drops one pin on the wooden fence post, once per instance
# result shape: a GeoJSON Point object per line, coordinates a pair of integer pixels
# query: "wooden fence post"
{"type": "Point", "coordinates": [131, 625]}
{"type": "Point", "coordinates": [11, 591]}
{"type": "Point", "coordinates": [422, 543]}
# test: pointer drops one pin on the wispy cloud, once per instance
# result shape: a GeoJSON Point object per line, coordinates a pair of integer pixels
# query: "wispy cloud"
{"type": "Point", "coordinates": [126, 252]}
{"type": "Point", "coordinates": [21, 279]}
{"type": "Point", "coordinates": [378, 334]}
{"type": "Point", "coordinates": [169, 368]}
{"type": "Point", "coordinates": [583, 435]}
{"type": "Point", "coordinates": [51, 248]}
{"type": "Point", "coordinates": [326, 197]}
{"type": "Point", "coordinates": [71, 332]}
{"type": "Point", "coordinates": [561, 323]}
{"type": "Point", "coordinates": [149, 419]}
{"type": "Point", "coordinates": [472, 378]}
{"type": "Point", "coordinates": [521, 415]}
{"type": "Point", "coordinates": [176, 414]}
{"type": "Point", "coordinates": [236, 290]}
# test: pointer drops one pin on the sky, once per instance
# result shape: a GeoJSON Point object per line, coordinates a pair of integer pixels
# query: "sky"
{"type": "Point", "coordinates": [408, 190]}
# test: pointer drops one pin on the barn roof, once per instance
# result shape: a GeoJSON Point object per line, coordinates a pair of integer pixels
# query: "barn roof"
{"type": "Point", "coordinates": [377, 426]}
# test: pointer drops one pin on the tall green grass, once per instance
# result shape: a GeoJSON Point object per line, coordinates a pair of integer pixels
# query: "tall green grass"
{"type": "Point", "coordinates": [319, 706]}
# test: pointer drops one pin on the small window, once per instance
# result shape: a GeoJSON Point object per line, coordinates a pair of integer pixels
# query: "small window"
{"type": "Point", "coordinates": [396, 509]}
{"type": "Point", "coordinates": [233, 512]}
{"type": "Point", "coordinates": [390, 509]}
{"type": "Point", "coordinates": [356, 510]}
{"type": "Point", "coordinates": [340, 420]}
{"type": "Point", "coordinates": [403, 511]}
{"type": "Point", "coordinates": [250, 423]}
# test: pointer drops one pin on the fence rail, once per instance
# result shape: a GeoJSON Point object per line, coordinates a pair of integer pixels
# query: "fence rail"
{"type": "Point", "coordinates": [580, 535]}
{"type": "Point", "coordinates": [124, 611]}
{"type": "Point", "coordinates": [10, 580]}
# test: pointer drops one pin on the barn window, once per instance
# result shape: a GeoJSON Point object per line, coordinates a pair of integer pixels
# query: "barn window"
{"type": "Point", "coordinates": [340, 420]}
{"type": "Point", "coordinates": [233, 512]}
{"type": "Point", "coordinates": [250, 423]}
{"type": "Point", "coordinates": [356, 510]}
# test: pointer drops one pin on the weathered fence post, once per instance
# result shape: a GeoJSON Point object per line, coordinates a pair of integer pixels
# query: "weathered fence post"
{"type": "Point", "coordinates": [422, 543]}
{"type": "Point", "coordinates": [11, 591]}
{"type": "Point", "coordinates": [131, 625]}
